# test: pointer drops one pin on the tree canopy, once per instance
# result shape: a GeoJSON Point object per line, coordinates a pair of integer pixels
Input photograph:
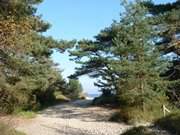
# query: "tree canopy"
{"type": "Point", "coordinates": [128, 59]}
{"type": "Point", "coordinates": [27, 73]}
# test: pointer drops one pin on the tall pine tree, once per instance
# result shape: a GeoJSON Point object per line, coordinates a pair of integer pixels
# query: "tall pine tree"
{"type": "Point", "coordinates": [139, 63]}
{"type": "Point", "coordinates": [167, 22]}
{"type": "Point", "coordinates": [127, 62]}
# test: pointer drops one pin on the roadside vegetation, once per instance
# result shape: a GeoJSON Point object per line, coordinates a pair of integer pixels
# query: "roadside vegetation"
{"type": "Point", "coordinates": [129, 60]}
{"type": "Point", "coordinates": [170, 123]}
{"type": "Point", "coordinates": [164, 126]}
{"type": "Point", "coordinates": [136, 62]}
{"type": "Point", "coordinates": [29, 80]}
{"type": "Point", "coordinates": [25, 114]}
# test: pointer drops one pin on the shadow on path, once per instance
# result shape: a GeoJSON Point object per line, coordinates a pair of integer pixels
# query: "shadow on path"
{"type": "Point", "coordinates": [80, 109]}
{"type": "Point", "coordinates": [69, 131]}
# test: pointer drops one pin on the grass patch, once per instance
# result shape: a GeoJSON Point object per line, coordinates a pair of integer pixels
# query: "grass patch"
{"type": "Point", "coordinates": [6, 130]}
{"type": "Point", "coordinates": [60, 97]}
{"type": "Point", "coordinates": [26, 114]}
{"type": "Point", "coordinates": [170, 123]}
{"type": "Point", "coordinates": [139, 131]}
{"type": "Point", "coordinates": [133, 115]}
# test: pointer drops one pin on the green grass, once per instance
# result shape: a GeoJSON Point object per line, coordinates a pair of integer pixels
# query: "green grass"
{"type": "Point", "coordinates": [61, 98]}
{"type": "Point", "coordinates": [28, 114]}
{"type": "Point", "coordinates": [25, 114]}
{"type": "Point", "coordinates": [132, 115]}
{"type": "Point", "coordinates": [139, 131]}
{"type": "Point", "coordinates": [170, 123]}
{"type": "Point", "coordinates": [6, 130]}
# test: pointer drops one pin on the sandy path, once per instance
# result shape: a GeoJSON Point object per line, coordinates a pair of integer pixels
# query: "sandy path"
{"type": "Point", "coordinates": [76, 118]}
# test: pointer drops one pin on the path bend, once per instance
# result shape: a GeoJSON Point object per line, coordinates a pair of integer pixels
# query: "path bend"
{"type": "Point", "coordinates": [74, 118]}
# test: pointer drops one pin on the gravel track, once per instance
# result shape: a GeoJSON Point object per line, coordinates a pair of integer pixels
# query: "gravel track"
{"type": "Point", "coordinates": [75, 118]}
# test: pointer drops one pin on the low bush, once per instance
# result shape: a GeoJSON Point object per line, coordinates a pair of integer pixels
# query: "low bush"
{"type": "Point", "coordinates": [25, 114]}
{"type": "Point", "coordinates": [105, 100]}
{"type": "Point", "coordinates": [74, 89]}
{"type": "Point", "coordinates": [7, 101]}
{"type": "Point", "coordinates": [60, 97]}
{"type": "Point", "coordinates": [170, 123]}
{"type": "Point", "coordinates": [132, 115]}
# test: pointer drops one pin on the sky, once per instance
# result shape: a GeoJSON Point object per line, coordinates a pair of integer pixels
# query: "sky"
{"type": "Point", "coordinates": [79, 19]}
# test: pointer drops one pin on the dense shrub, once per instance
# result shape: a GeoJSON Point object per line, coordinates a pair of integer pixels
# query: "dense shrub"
{"type": "Point", "coordinates": [170, 123]}
{"type": "Point", "coordinates": [74, 89]}
{"type": "Point", "coordinates": [7, 101]}
{"type": "Point", "coordinates": [28, 91]}
{"type": "Point", "coordinates": [28, 76]}
{"type": "Point", "coordinates": [132, 114]}
{"type": "Point", "coordinates": [106, 100]}
{"type": "Point", "coordinates": [135, 115]}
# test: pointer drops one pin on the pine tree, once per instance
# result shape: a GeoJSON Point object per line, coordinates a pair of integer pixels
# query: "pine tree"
{"type": "Point", "coordinates": [28, 75]}
{"type": "Point", "coordinates": [166, 19]}
{"type": "Point", "coordinates": [94, 57]}
{"type": "Point", "coordinates": [127, 62]}
{"type": "Point", "coordinates": [139, 64]}
{"type": "Point", "coordinates": [74, 89]}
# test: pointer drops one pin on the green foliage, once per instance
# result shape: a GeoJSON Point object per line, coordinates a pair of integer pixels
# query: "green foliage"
{"type": "Point", "coordinates": [30, 83]}
{"type": "Point", "coordinates": [139, 65]}
{"type": "Point", "coordinates": [6, 130]}
{"type": "Point", "coordinates": [127, 62]}
{"type": "Point", "coordinates": [24, 114]}
{"type": "Point", "coordinates": [166, 19]}
{"type": "Point", "coordinates": [74, 89]}
{"type": "Point", "coordinates": [28, 76]}
{"type": "Point", "coordinates": [110, 100]}
{"type": "Point", "coordinates": [127, 115]}
{"type": "Point", "coordinates": [7, 100]}
{"type": "Point", "coordinates": [141, 90]}
{"type": "Point", "coordinates": [170, 123]}
{"type": "Point", "coordinates": [60, 97]}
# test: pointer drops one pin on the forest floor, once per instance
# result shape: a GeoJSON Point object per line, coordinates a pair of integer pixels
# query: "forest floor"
{"type": "Point", "coordinates": [74, 118]}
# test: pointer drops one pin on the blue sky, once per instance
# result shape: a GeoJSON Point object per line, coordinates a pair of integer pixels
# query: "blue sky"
{"type": "Point", "coordinates": [78, 19]}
